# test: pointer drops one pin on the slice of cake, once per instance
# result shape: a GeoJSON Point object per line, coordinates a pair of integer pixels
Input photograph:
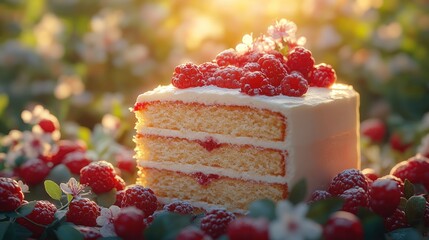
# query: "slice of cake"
{"type": "Point", "coordinates": [245, 127]}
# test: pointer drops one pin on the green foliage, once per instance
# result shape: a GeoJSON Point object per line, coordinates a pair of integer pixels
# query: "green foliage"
{"type": "Point", "coordinates": [53, 190]}
{"type": "Point", "coordinates": [167, 225]}
{"type": "Point", "coordinates": [298, 192]}
{"type": "Point", "coordinates": [263, 208]}
{"type": "Point", "coordinates": [68, 232]}
{"type": "Point", "coordinates": [320, 211]}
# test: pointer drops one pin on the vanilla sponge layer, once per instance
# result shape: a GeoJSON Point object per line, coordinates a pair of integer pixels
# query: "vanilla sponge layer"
{"type": "Point", "coordinates": [239, 158]}
{"type": "Point", "coordinates": [231, 193]}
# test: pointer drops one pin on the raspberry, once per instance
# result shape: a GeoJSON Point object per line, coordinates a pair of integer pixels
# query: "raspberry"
{"type": "Point", "coordinates": [129, 223]}
{"type": "Point", "coordinates": [343, 225]}
{"type": "Point", "coordinates": [319, 195]}
{"type": "Point", "coordinates": [370, 175]}
{"type": "Point", "coordinates": [272, 68]}
{"type": "Point", "coordinates": [191, 233]}
{"type": "Point", "coordinates": [374, 129]}
{"type": "Point", "coordinates": [398, 181]}
{"type": "Point", "coordinates": [399, 144]}
{"type": "Point", "coordinates": [89, 233]}
{"type": "Point", "coordinates": [294, 85]}
{"type": "Point", "coordinates": [215, 222]}
{"type": "Point", "coordinates": [76, 161]}
{"type": "Point", "coordinates": [187, 75]}
{"type": "Point", "coordinates": [322, 75]}
{"type": "Point", "coordinates": [385, 196]}
{"type": "Point", "coordinates": [33, 171]}
{"type": "Point", "coordinates": [269, 90]}
{"type": "Point", "coordinates": [142, 198]}
{"type": "Point", "coordinates": [248, 228]}
{"type": "Point", "coordinates": [100, 176]}
{"type": "Point", "coordinates": [415, 169]}
{"type": "Point", "coordinates": [208, 69]}
{"type": "Point", "coordinates": [47, 126]}
{"type": "Point", "coordinates": [227, 77]}
{"type": "Point", "coordinates": [64, 148]}
{"type": "Point", "coordinates": [179, 207]}
{"type": "Point", "coordinates": [426, 215]}
{"type": "Point", "coordinates": [249, 57]}
{"type": "Point", "coordinates": [11, 195]}
{"type": "Point", "coordinates": [396, 220]}
{"type": "Point", "coordinates": [252, 82]}
{"type": "Point", "coordinates": [301, 60]}
{"type": "Point", "coordinates": [227, 57]}
{"type": "Point", "coordinates": [354, 198]}
{"type": "Point", "coordinates": [119, 197]}
{"type": "Point", "coordinates": [347, 179]}
{"type": "Point", "coordinates": [252, 67]}
{"type": "Point", "coordinates": [83, 211]}
{"type": "Point", "coordinates": [126, 165]}
{"type": "Point", "coordinates": [119, 183]}
{"type": "Point", "coordinates": [42, 214]}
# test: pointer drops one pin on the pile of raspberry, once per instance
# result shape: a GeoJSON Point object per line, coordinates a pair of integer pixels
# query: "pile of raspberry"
{"type": "Point", "coordinates": [258, 73]}
{"type": "Point", "coordinates": [384, 196]}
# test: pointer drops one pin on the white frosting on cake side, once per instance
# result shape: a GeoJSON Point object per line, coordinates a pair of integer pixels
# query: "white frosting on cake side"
{"type": "Point", "coordinates": [322, 127]}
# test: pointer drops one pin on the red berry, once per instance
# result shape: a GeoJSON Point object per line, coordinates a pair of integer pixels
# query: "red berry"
{"type": "Point", "coordinates": [250, 57]}
{"type": "Point", "coordinates": [354, 198]}
{"type": "Point", "coordinates": [399, 144]}
{"type": "Point", "coordinates": [319, 195]}
{"type": "Point", "coordinates": [426, 215]}
{"type": "Point", "coordinates": [75, 161]}
{"type": "Point", "coordinates": [347, 179]}
{"type": "Point", "coordinates": [252, 82]}
{"type": "Point", "coordinates": [127, 165]}
{"type": "Point", "coordinates": [11, 195]}
{"type": "Point", "coordinates": [396, 220]}
{"type": "Point", "coordinates": [370, 174]}
{"type": "Point", "coordinates": [119, 183]}
{"type": "Point", "coordinates": [208, 69]}
{"type": "Point", "coordinates": [215, 222]}
{"type": "Point", "coordinates": [43, 214]}
{"type": "Point", "coordinates": [179, 207]}
{"type": "Point", "coordinates": [322, 75]}
{"type": "Point", "coordinates": [398, 181]}
{"type": "Point", "coordinates": [187, 75]}
{"type": "Point", "coordinates": [33, 171]}
{"type": "Point", "coordinates": [269, 90]}
{"type": "Point", "coordinates": [415, 169]}
{"type": "Point", "coordinates": [343, 225]}
{"type": "Point", "coordinates": [64, 148]}
{"type": "Point", "coordinates": [252, 67]}
{"type": "Point", "coordinates": [119, 197]}
{"type": "Point", "coordinates": [385, 196]}
{"type": "Point", "coordinates": [272, 68]}
{"type": "Point", "coordinates": [294, 85]}
{"type": "Point", "coordinates": [374, 129]}
{"type": "Point", "coordinates": [227, 57]}
{"type": "Point", "coordinates": [47, 126]}
{"type": "Point", "coordinates": [100, 176]}
{"type": "Point", "coordinates": [83, 211]}
{"type": "Point", "coordinates": [142, 198]}
{"type": "Point", "coordinates": [227, 77]}
{"type": "Point", "coordinates": [301, 60]}
{"type": "Point", "coordinates": [191, 233]}
{"type": "Point", "coordinates": [246, 228]}
{"type": "Point", "coordinates": [129, 223]}
{"type": "Point", "coordinates": [89, 233]}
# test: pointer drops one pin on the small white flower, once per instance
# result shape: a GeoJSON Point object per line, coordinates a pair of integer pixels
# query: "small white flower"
{"type": "Point", "coordinates": [24, 187]}
{"type": "Point", "coordinates": [105, 220]}
{"type": "Point", "coordinates": [291, 223]}
{"type": "Point", "coordinates": [73, 187]}
{"type": "Point", "coordinates": [33, 117]}
{"type": "Point", "coordinates": [282, 30]}
{"type": "Point", "coordinates": [35, 144]}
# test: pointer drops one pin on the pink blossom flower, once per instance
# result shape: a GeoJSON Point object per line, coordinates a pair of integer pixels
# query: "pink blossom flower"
{"type": "Point", "coordinates": [73, 188]}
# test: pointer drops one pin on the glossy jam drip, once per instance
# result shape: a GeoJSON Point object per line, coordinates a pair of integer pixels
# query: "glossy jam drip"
{"type": "Point", "coordinates": [205, 179]}
{"type": "Point", "coordinates": [209, 144]}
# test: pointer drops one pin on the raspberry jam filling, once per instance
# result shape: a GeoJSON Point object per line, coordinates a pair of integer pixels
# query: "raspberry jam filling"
{"type": "Point", "coordinates": [209, 143]}
{"type": "Point", "coordinates": [204, 179]}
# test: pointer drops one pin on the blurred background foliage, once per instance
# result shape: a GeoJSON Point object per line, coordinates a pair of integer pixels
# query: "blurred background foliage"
{"type": "Point", "coordinates": [84, 59]}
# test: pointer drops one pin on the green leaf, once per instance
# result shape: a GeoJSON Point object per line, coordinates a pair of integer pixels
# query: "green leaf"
{"type": "Point", "coordinates": [17, 232]}
{"type": "Point", "coordinates": [68, 232]}
{"type": "Point", "coordinates": [404, 234]}
{"type": "Point", "coordinates": [107, 199]}
{"type": "Point", "coordinates": [53, 190]}
{"type": "Point", "coordinates": [69, 198]}
{"type": "Point", "coordinates": [408, 189]}
{"type": "Point", "coordinates": [373, 224]}
{"type": "Point", "coordinates": [167, 225]}
{"type": "Point", "coordinates": [414, 210]}
{"type": "Point", "coordinates": [298, 192]}
{"type": "Point", "coordinates": [4, 101]}
{"type": "Point", "coordinates": [59, 174]}
{"type": "Point", "coordinates": [26, 209]}
{"type": "Point", "coordinates": [321, 210]}
{"type": "Point", "coordinates": [3, 228]}
{"type": "Point", "coordinates": [402, 203]}
{"type": "Point", "coordinates": [263, 208]}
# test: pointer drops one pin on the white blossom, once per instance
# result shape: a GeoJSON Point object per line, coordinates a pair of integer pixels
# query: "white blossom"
{"type": "Point", "coordinates": [105, 220]}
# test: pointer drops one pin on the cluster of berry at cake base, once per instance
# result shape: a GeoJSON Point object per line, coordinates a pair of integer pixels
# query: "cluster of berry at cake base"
{"type": "Point", "coordinates": [270, 65]}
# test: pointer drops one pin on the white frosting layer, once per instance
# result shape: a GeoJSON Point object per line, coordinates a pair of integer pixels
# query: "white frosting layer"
{"type": "Point", "coordinates": [322, 127]}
